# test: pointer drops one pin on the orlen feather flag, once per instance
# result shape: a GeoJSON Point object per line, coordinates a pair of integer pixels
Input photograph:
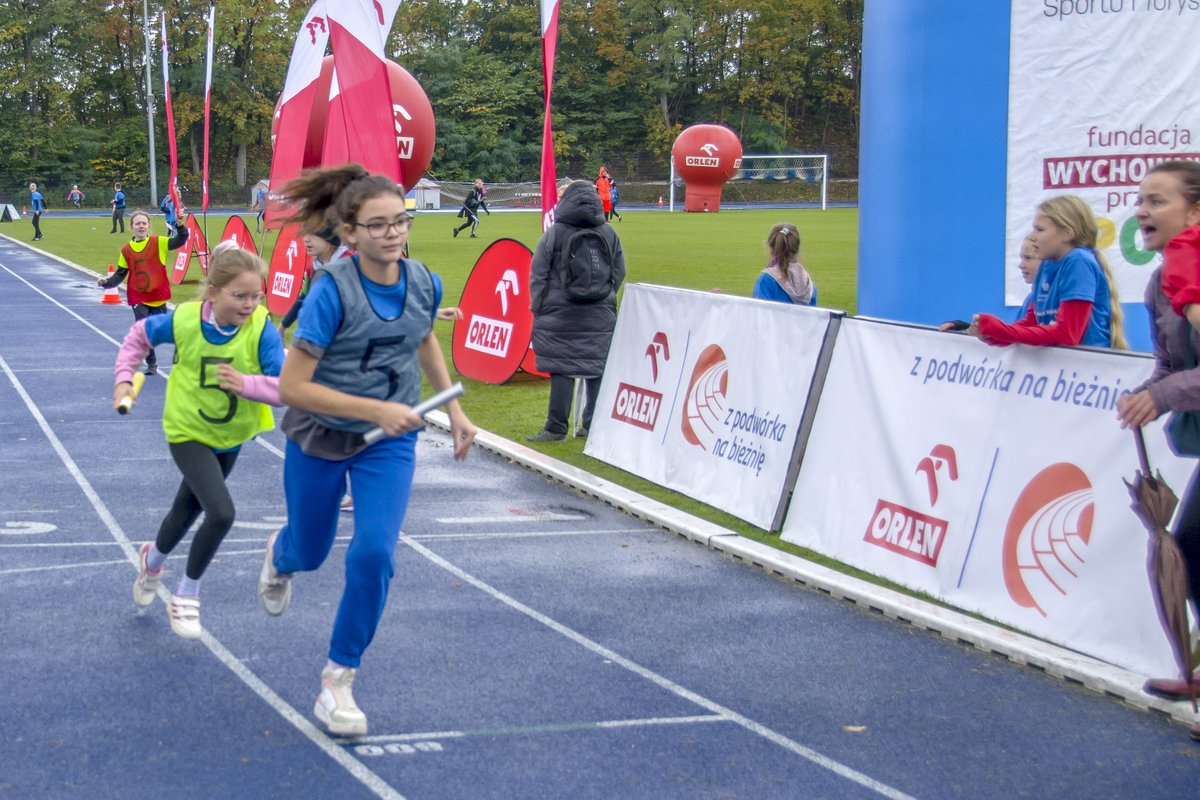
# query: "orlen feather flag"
{"type": "Point", "coordinates": [296, 103]}
{"type": "Point", "coordinates": [549, 178]}
{"type": "Point", "coordinates": [171, 187]}
{"type": "Point", "coordinates": [361, 124]}
{"type": "Point", "coordinates": [208, 59]}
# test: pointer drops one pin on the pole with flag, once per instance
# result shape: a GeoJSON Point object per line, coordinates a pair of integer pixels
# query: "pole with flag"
{"type": "Point", "coordinates": [208, 64]}
{"type": "Point", "coordinates": [174, 156]}
{"type": "Point", "coordinates": [549, 178]}
{"type": "Point", "coordinates": [295, 106]}
{"type": "Point", "coordinates": [361, 123]}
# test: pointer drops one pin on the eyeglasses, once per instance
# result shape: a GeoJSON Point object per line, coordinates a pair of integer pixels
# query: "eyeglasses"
{"type": "Point", "coordinates": [246, 297]}
{"type": "Point", "coordinates": [378, 230]}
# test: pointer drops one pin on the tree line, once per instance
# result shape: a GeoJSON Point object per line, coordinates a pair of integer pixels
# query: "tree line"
{"type": "Point", "coordinates": [629, 76]}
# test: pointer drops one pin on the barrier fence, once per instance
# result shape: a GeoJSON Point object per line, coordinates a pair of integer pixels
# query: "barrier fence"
{"type": "Point", "coordinates": [987, 477]}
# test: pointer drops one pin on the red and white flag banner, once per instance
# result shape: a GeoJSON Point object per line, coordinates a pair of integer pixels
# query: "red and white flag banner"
{"type": "Point", "coordinates": [549, 176]}
{"type": "Point", "coordinates": [172, 189]}
{"type": "Point", "coordinates": [361, 124]}
{"type": "Point", "coordinates": [208, 62]}
{"type": "Point", "coordinates": [296, 106]}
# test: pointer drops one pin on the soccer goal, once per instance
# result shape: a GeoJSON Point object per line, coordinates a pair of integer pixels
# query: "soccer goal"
{"type": "Point", "coordinates": [782, 179]}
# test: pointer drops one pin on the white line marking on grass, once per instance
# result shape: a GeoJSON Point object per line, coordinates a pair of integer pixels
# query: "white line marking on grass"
{"type": "Point", "coordinates": [268, 696]}
{"type": "Point", "coordinates": [653, 677]}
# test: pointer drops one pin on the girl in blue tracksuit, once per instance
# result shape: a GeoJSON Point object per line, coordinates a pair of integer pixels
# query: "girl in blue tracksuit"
{"type": "Point", "coordinates": [364, 337]}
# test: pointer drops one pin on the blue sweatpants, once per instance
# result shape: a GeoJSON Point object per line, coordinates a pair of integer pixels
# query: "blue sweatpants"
{"type": "Point", "coordinates": [381, 477]}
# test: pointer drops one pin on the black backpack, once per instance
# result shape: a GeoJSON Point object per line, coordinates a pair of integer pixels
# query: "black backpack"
{"type": "Point", "coordinates": [587, 266]}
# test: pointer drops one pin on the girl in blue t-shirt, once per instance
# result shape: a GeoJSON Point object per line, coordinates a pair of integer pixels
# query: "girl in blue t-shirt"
{"type": "Point", "coordinates": [364, 337]}
{"type": "Point", "coordinates": [1074, 300]}
{"type": "Point", "coordinates": [784, 279]}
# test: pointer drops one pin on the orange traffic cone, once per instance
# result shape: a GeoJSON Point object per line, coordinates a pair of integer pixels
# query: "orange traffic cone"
{"type": "Point", "coordinates": [111, 296]}
{"type": "Point", "coordinates": [23, 211]}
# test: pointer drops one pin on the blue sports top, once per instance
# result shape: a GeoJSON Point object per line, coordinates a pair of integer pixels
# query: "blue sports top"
{"type": "Point", "coordinates": [36, 203]}
{"type": "Point", "coordinates": [1075, 276]}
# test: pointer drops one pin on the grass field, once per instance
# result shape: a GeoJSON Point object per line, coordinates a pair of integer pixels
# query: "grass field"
{"type": "Point", "coordinates": [722, 251]}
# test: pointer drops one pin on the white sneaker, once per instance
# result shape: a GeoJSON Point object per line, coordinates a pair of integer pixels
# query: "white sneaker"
{"type": "Point", "coordinates": [335, 704]}
{"type": "Point", "coordinates": [184, 613]}
{"type": "Point", "coordinates": [274, 588]}
{"type": "Point", "coordinates": [146, 585]}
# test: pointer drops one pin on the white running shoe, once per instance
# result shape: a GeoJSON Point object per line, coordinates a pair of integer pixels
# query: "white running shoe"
{"type": "Point", "coordinates": [335, 704]}
{"type": "Point", "coordinates": [184, 613]}
{"type": "Point", "coordinates": [146, 585]}
{"type": "Point", "coordinates": [274, 588]}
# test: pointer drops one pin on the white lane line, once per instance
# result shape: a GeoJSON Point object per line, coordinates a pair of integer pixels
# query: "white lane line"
{"type": "Point", "coordinates": [522, 730]}
{"type": "Point", "coordinates": [429, 537]}
{"type": "Point", "coordinates": [268, 696]}
{"type": "Point", "coordinates": [18, 571]}
{"type": "Point", "coordinates": [515, 516]}
{"type": "Point", "coordinates": [653, 677]}
{"type": "Point", "coordinates": [21, 278]}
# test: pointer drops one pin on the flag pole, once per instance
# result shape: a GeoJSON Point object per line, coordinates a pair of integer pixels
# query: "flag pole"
{"type": "Point", "coordinates": [149, 105]}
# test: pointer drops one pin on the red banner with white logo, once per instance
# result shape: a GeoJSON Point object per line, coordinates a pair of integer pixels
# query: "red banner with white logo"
{"type": "Point", "coordinates": [361, 125]}
{"type": "Point", "coordinates": [290, 126]}
{"type": "Point", "coordinates": [197, 245]}
{"type": "Point", "coordinates": [990, 478]}
{"type": "Point", "coordinates": [236, 231]}
{"type": "Point", "coordinates": [549, 175]}
{"type": "Point", "coordinates": [492, 338]}
{"type": "Point", "coordinates": [290, 262]}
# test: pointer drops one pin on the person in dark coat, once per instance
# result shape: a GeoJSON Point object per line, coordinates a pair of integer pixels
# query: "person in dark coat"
{"type": "Point", "coordinates": [571, 340]}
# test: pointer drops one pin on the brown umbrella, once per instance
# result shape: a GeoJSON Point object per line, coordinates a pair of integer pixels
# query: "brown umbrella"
{"type": "Point", "coordinates": [1154, 504]}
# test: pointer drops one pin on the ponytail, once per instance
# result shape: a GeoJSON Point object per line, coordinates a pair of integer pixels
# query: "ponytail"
{"type": "Point", "coordinates": [1116, 317]}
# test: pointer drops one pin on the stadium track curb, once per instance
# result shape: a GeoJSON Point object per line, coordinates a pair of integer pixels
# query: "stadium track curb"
{"type": "Point", "coordinates": [1018, 648]}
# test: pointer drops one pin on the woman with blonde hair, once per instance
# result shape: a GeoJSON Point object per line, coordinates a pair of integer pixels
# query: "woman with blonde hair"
{"type": "Point", "coordinates": [1074, 299]}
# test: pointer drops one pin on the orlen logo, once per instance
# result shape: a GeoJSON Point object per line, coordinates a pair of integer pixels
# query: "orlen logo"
{"type": "Point", "coordinates": [908, 532]}
{"type": "Point", "coordinates": [507, 283]}
{"type": "Point", "coordinates": [282, 284]}
{"type": "Point", "coordinates": [639, 406]}
{"type": "Point", "coordinates": [701, 161]}
{"type": "Point", "coordinates": [1048, 531]}
{"type": "Point", "coordinates": [704, 400]}
{"type": "Point", "coordinates": [709, 149]}
{"type": "Point", "coordinates": [489, 335]}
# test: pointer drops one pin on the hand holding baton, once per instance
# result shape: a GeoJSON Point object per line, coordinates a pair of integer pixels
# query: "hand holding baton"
{"type": "Point", "coordinates": [126, 403]}
{"type": "Point", "coordinates": [421, 409]}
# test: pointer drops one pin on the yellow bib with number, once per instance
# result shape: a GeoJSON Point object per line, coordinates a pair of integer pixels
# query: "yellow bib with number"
{"type": "Point", "coordinates": [197, 409]}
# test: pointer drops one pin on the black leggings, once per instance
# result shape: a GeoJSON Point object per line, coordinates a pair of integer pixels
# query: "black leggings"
{"type": "Point", "coordinates": [1187, 533]}
{"type": "Point", "coordinates": [203, 489]}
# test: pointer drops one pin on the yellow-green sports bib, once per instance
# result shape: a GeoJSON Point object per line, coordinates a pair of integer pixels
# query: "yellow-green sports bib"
{"type": "Point", "coordinates": [197, 409]}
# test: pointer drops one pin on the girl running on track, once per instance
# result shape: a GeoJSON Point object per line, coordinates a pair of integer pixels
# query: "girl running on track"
{"type": "Point", "coordinates": [365, 335]}
{"type": "Point", "coordinates": [227, 362]}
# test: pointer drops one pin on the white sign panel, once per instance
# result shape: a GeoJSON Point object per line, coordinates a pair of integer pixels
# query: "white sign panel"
{"type": "Point", "coordinates": [703, 393]}
{"type": "Point", "coordinates": [1099, 92]}
{"type": "Point", "coordinates": [990, 478]}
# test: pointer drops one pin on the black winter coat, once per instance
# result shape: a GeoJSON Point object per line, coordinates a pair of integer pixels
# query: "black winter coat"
{"type": "Point", "coordinates": [570, 338]}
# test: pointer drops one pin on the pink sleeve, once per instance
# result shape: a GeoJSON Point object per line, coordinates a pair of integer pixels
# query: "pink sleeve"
{"type": "Point", "coordinates": [262, 389]}
{"type": "Point", "coordinates": [133, 350]}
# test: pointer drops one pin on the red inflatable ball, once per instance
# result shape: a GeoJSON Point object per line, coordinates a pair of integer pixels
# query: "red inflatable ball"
{"type": "Point", "coordinates": [706, 156]}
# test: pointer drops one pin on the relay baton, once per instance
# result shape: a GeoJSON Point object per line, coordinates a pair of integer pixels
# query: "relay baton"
{"type": "Point", "coordinates": [126, 403]}
{"type": "Point", "coordinates": [421, 409]}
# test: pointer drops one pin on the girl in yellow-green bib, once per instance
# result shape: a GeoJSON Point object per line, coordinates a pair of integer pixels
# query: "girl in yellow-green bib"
{"type": "Point", "coordinates": [225, 377]}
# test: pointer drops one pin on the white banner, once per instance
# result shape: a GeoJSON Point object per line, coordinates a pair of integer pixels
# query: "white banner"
{"type": "Point", "coordinates": [1099, 91]}
{"type": "Point", "coordinates": [990, 478]}
{"type": "Point", "coordinates": [703, 393]}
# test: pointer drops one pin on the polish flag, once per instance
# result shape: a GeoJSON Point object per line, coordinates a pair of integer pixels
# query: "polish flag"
{"type": "Point", "coordinates": [549, 177]}
{"type": "Point", "coordinates": [212, 19]}
{"type": "Point", "coordinates": [174, 155]}
{"type": "Point", "coordinates": [361, 123]}
{"type": "Point", "coordinates": [295, 106]}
